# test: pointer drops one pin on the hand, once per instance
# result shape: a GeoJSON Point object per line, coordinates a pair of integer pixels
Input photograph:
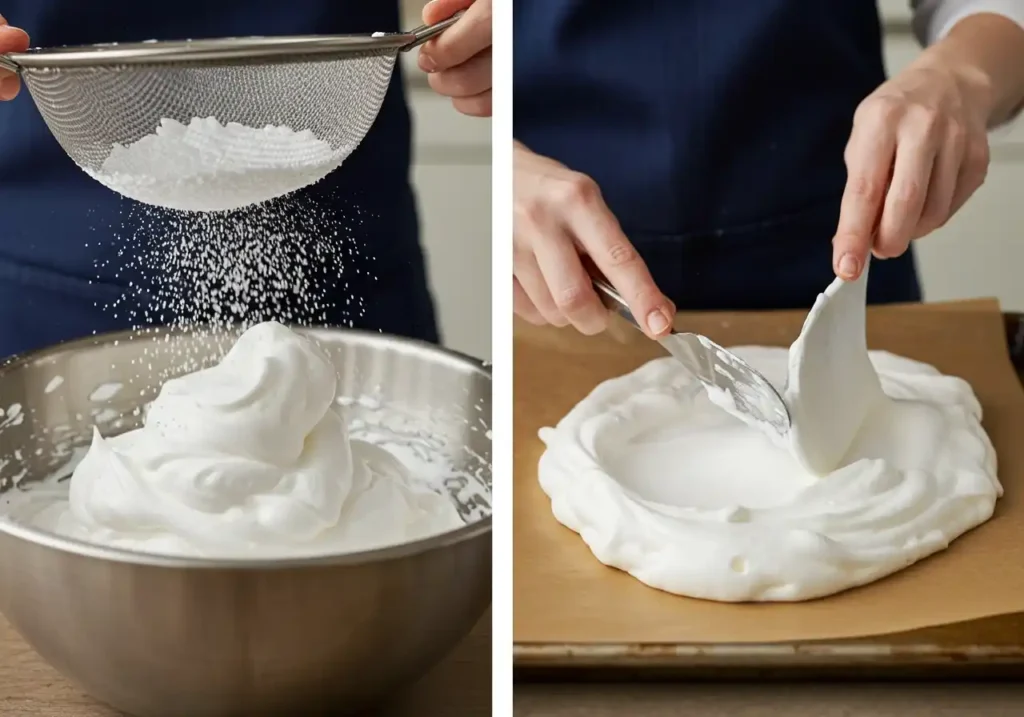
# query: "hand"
{"type": "Point", "coordinates": [918, 151]}
{"type": "Point", "coordinates": [12, 39]}
{"type": "Point", "coordinates": [558, 214]}
{"type": "Point", "coordinates": [458, 61]}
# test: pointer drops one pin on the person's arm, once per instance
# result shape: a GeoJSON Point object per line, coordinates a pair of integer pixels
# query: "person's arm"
{"type": "Point", "coordinates": [12, 39]}
{"type": "Point", "coordinates": [983, 35]}
{"type": "Point", "coordinates": [919, 145]}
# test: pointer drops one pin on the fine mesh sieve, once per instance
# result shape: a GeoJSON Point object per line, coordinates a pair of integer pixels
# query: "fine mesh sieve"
{"type": "Point", "coordinates": [97, 96]}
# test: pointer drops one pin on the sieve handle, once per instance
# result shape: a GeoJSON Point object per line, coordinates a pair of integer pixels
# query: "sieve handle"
{"type": "Point", "coordinates": [9, 65]}
{"type": "Point", "coordinates": [425, 32]}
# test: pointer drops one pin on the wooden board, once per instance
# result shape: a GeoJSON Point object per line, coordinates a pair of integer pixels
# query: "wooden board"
{"type": "Point", "coordinates": [991, 644]}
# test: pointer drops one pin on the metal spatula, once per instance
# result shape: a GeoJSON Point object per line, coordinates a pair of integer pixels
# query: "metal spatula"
{"type": "Point", "coordinates": [730, 381]}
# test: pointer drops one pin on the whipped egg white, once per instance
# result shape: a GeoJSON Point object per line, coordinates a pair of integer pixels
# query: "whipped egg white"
{"type": "Point", "coordinates": [886, 463]}
{"type": "Point", "coordinates": [248, 458]}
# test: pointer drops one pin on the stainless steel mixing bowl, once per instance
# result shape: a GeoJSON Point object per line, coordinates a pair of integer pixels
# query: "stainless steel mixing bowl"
{"type": "Point", "coordinates": [158, 636]}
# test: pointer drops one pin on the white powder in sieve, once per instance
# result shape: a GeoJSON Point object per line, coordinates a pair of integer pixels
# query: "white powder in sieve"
{"type": "Point", "coordinates": [208, 166]}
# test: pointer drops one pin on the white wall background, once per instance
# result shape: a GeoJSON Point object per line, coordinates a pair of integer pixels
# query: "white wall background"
{"type": "Point", "coordinates": [980, 252]}
{"type": "Point", "coordinates": [452, 176]}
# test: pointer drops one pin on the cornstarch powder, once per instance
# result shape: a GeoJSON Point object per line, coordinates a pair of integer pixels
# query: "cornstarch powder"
{"type": "Point", "coordinates": [207, 166]}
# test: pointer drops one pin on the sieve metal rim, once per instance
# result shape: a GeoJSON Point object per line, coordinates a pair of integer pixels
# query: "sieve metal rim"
{"type": "Point", "coordinates": [252, 50]}
{"type": "Point", "coordinates": [229, 50]}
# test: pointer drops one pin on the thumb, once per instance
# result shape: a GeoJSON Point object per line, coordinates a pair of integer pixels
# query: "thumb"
{"type": "Point", "coordinates": [436, 11]}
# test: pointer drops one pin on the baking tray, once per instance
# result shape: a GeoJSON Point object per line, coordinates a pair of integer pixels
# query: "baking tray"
{"type": "Point", "coordinates": [989, 648]}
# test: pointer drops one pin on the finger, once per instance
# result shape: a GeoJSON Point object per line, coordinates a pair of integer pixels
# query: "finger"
{"type": "Point", "coordinates": [9, 87]}
{"type": "Point", "coordinates": [476, 106]}
{"type": "Point", "coordinates": [599, 233]}
{"type": "Point", "coordinates": [869, 157]}
{"type": "Point", "coordinates": [436, 11]}
{"type": "Point", "coordinates": [530, 278]}
{"type": "Point", "coordinates": [470, 78]}
{"type": "Point", "coordinates": [973, 171]}
{"type": "Point", "coordinates": [466, 38]}
{"type": "Point", "coordinates": [905, 200]}
{"type": "Point", "coordinates": [571, 286]}
{"type": "Point", "coordinates": [12, 39]}
{"type": "Point", "coordinates": [942, 185]}
{"type": "Point", "coordinates": [523, 307]}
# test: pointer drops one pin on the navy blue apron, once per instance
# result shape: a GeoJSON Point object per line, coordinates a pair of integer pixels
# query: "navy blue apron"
{"type": "Point", "coordinates": [715, 130]}
{"type": "Point", "coordinates": [61, 259]}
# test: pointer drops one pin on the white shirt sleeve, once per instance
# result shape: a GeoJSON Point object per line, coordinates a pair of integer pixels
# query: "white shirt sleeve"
{"type": "Point", "coordinates": [933, 19]}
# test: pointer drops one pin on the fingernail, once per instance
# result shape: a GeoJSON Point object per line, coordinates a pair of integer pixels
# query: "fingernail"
{"type": "Point", "coordinates": [3, 20]}
{"type": "Point", "coordinates": [657, 322]}
{"type": "Point", "coordinates": [426, 62]}
{"type": "Point", "coordinates": [848, 266]}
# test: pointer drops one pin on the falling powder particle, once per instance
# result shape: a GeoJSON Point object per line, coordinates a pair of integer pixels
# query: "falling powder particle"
{"type": "Point", "coordinates": [105, 392]}
{"type": "Point", "coordinates": [13, 416]}
{"type": "Point", "coordinates": [289, 260]}
{"type": "Point", "coordinates": [54, 384]}
{"type": "Point", "coordinates": [105, 415]}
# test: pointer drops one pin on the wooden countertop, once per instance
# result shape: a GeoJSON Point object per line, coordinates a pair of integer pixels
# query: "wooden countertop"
{"type": "Point", "coordinates": [459, 687]}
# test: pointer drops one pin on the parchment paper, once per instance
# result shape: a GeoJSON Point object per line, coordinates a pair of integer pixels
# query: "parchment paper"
{"type": "Point", "coordinates": [563, 594]}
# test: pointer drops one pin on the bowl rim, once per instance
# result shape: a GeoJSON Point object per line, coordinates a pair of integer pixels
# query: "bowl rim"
{"type": "Point", "coordinates": [385, 553]}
